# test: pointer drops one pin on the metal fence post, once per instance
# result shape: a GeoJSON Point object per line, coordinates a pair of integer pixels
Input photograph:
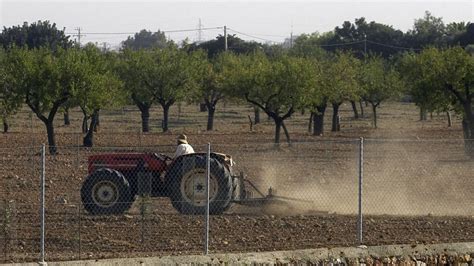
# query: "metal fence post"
{"type": "Point", "coordinates": [42, 201]}
{"type": "Point", "coordinates": [208, 171]}
{"type": "Point", "coordinates": [80, 225]}
{"type": "Point", "coordinates": [78, 160]}
{"type": "Point", "coordinates": [361, 175]}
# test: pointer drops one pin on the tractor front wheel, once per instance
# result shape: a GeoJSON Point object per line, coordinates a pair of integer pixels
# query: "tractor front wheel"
{"type": "Point", "coordinates": [105, 192]}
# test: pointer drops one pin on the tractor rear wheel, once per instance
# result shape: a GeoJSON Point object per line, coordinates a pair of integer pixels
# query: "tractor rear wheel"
{"type": "Point", "coordinates": [106, 191]}
{"type": "Point", "coordinates": [188, 187]}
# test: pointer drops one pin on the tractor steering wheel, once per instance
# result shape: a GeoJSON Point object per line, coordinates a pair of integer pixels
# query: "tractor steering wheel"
{"type": "Point", "coordinates": [163, 156]}
{"type": "Point", "coordinates": [167, 158]}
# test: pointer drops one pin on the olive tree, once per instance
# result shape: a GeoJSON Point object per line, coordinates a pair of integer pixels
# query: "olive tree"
{"type": "Point", "coordinates": [44, 79]}
{"type": "Point", "coordinates": [316, 98]}
{"type": "Point", "coordinates": [451, 72]}
{"type": "Point", "coordinates": [211, 80]}
{"type": "Point", "coordinates": [129, 69]}
{"type": "Point", "coordinates": [164, 76]}
{"type": "Point", "coordinates": [276, 86]}
{"type": "Point", "coordinates": [10, 98]}
{"type": "Point", "coordinates": [420, 88]}
{"type": "Point", "coordinates": [457, 80]}
{"type": "Point", "coordinates": [341, 77]}
{"type": "Point", "coordinates": [379, 82]}
{"type": "Point", "coordinates": [96, 87]}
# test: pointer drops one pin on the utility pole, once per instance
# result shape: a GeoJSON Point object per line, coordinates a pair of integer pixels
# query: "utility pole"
{"type": "Point", "coordinates": [365, 45]}
{"type": "Point", "coordinates": [225, 38]}
{"type": "Point", "coordinates": [79, 35]}
{"type": "Point", "coordinates": [291, 36]}
{"type": "Point", "coordinates": [104, 47]}
{"type": "Point", "coordinates": [199, 31]}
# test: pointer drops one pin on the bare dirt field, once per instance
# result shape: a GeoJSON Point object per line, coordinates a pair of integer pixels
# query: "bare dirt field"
{"type": "Point", "coordinates": [417, 185]}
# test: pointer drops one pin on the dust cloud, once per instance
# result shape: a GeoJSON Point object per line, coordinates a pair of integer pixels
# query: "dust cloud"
{"type": "Point", "coordinates": [400, 178]}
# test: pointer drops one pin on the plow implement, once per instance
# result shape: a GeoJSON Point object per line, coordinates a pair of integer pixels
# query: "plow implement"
{"type": "Point", "coordinates": [250, 195]}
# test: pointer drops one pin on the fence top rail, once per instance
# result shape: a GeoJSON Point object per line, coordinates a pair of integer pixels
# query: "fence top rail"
{"type": "Point", "coordinates": [417, 140]}
{"type": "Point", "coordinates": [32, 147]}
{"type": "Point", "coordinates": [283, 144]}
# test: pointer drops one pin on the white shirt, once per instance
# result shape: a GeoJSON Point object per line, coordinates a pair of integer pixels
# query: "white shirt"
{"type": "Point", "coordinates": [183, 149]}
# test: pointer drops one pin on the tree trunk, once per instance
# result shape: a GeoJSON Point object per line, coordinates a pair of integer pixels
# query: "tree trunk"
{"type": "Point", "coordinates": [48, 121]}
{"type": "Point", "coordinates": [335, 117]}
{"type": "Point", "coordinates": [166, 109]}
{"type": "Point", "coordinates": [250, 123]}
{"type": "Point", "coordinates": [374, 110]}
{"type": "Point", "coordinates": [88, 140]}
{"type": "Point", "coordinates": [465, 128]}
{"type": "Point", "coordinates": [450, 122]}
{"type": "Point", "coordinates": [468, 129]}
{"type": "Point", "coordinates": [310, 122]}
{"type": "Point", "coordinates": [256, 112]}
{"type": "Point", "coordinates": [354, 108]}
{"type": "Point", "coordinates": [202, 107]}
{"type": "Point", "coordinates": [422, 114]}
{"type": "Point", "coordinates": [97, 122]}
{"type": "Point", "coordinates": [67, 121]}
{"type": "Point", "coordinates": [85, 127]}
{"type": "Point", "coordinates": [318, 123]}
{"type": "Point", "coordinates": [145, 114]}
{"type": "Point", "coordinates": [286, 132]}
{"type": "Point", "coordinates": [277, 131]}
{"type": "Point", "coordinates": [210, 116]}
{"type": "Point", "coordinates": [51, 139]}
{"type": "Point", "coordinates": [361, 109]}
{"type": "Point", "coordinates": [5, 126]}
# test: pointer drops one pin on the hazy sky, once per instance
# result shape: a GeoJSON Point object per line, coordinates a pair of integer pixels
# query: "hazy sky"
{"type": "Point", "coordinates": [269, 20]}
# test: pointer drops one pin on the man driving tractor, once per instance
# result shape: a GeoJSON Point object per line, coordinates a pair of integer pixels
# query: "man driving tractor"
{"type": "Point", "coordinates": [183, 146]}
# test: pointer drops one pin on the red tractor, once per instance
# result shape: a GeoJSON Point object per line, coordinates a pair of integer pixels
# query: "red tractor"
{"type": "Point", "coordinates": [116, 179]}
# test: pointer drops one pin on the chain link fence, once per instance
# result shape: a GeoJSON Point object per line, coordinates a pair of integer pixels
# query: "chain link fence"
{"type": "Point", "coordinates": [105, 202]}
{"type": "Point", "coordinates": [20, 223]}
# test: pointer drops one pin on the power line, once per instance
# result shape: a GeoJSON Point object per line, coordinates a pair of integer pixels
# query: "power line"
{"type": "Point", "coordinates": [251, 36]}
{"type": "Point", "coordinates": [80, 34]}
{"type": "Point", "coordinates": [165, 31]}
{"type": "Point", "coordinates": [394, 46]}
{"type": "Point", "coordinates": [339, 44]}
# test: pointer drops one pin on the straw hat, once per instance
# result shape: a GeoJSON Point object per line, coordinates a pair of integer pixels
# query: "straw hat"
{"type": "Point", "coordinates": [182, 139]}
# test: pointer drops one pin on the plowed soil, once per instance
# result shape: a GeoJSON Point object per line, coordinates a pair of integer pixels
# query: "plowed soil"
{"type": "Point", "coordinates": [416, 185]}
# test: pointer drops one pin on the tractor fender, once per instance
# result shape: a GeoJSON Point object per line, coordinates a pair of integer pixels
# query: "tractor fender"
{"type": "Point", "coordinates": [173, 170]}
{"type": "Point", "coordinates": [121, 179]}
{"type": "Point", "coordinates": [118, 175]}
{"type": "Point", "coordinates": [225, 160]}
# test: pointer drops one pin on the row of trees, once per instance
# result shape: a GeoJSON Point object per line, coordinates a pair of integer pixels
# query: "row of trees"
{"type": "Point", "coordinates": [372, 37]}
{"type": "Point", "coordinates": [443, 80]}
{"type": "Point", "coordinates": [279, 82]}
{"type": "Point", "coordinates": [48, 81]}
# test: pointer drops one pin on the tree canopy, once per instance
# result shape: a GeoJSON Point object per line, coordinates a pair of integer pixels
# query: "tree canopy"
{"type": "Point", "coordinates": [275, 85]}
{"type": "Point", "coordinates": [10, 98]}
{"type": "Point", "coordinates": [145, 40]}
{"type": "Point", "coordinates": [35, 35]}
{"type": "Point", "coordinates": [234, 44]}
{"type": "Point", "coordinates": [379, 82]}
